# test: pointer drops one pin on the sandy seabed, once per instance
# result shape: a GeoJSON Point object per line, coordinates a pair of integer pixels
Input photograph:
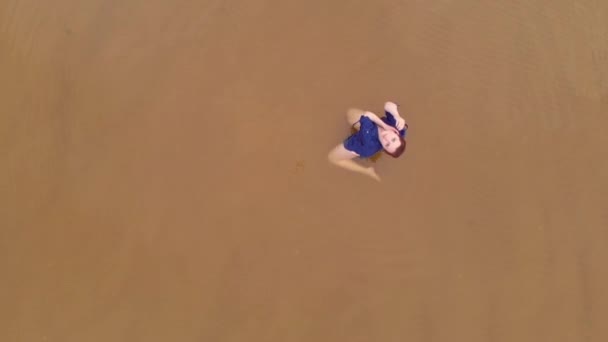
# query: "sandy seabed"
{"type": "Point", "coordinates": [163, 172]}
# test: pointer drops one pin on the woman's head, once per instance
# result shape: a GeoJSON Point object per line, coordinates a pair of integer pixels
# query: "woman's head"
{"type": "Point", "coordinates": [392, 142]}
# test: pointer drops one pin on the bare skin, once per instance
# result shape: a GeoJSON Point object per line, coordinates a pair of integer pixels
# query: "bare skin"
{"type": "Point", "coordinates": [342, 157]}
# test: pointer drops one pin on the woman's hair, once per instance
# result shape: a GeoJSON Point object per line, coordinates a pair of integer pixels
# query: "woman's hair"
{"type": "Point", "coordinates": [399, 151]}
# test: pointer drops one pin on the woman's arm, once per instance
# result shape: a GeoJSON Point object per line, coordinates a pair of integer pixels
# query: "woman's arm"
{"type": "Point", "coordinates": [391, 108]}
{"type": "Point", "coordinates": [353, 116]}
{"type": "Point", "coordinates": [375, 119]}
{"type": "Point", "coordinates": [343, 158]}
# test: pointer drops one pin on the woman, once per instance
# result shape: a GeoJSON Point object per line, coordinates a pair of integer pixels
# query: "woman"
{"type": "Point", "coordinates": [373, 135]}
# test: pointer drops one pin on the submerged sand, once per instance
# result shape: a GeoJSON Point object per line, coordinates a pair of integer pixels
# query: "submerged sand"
{"type": "Point", "coordinates": [163, 171]}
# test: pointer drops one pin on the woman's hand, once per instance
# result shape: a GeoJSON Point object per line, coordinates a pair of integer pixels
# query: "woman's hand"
{"type": "Point", "coordinates": [389, 127]}
{"type": "Point", "coordinates": [400, 123]}
{"type": "Point", "coordinates": [391, 107]}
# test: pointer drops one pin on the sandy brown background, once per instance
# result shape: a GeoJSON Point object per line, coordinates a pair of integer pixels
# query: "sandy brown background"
{"type": "Point", "coordinates": [163, 173]}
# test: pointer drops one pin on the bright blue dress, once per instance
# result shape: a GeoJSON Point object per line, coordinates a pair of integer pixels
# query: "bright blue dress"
{"type": "Point", "coordinates": [365, 142]}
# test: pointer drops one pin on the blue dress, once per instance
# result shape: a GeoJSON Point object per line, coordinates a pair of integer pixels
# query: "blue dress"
{"type": "Point", "coordinates": [365, 142]}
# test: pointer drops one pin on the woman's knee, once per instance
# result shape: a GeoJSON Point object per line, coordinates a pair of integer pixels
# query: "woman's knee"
{"type": "Point", "coordinates": [339, 153]}
{"type": "Point", "coordinates": [353, 115]}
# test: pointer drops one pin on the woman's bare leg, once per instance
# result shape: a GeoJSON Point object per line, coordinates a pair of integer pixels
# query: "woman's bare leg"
{"type": "Point", "coordinates": [343, 158]}
{"type": "Point", "coordinates": [340, 153]}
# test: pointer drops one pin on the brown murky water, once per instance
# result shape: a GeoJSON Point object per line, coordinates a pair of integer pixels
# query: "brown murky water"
{"type": "Point", "coordinates": [163, 171]}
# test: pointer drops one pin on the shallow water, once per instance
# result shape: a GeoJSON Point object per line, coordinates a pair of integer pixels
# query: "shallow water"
{"type": "Point", "coordinates": [164, 171]}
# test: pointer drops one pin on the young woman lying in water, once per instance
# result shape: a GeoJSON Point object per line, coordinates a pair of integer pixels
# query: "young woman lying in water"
{"type": "Point", "coordinates": [373, 135]}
